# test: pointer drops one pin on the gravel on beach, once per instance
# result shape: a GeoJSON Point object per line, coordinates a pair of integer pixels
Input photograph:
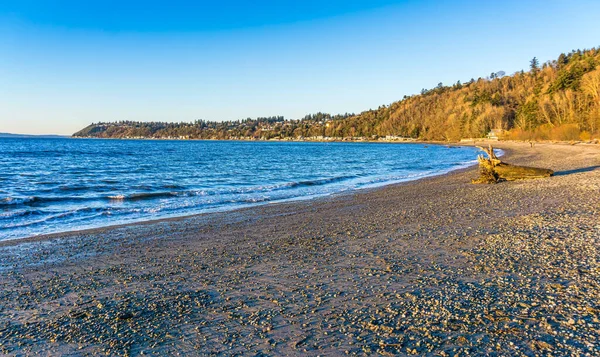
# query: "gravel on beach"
{"type": "Point", "coordinates": [435, 267]}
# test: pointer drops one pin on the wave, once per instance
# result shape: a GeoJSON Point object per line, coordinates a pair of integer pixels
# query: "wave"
{"type": "Point", "coordinates": [227, 191]}
{"type": "Point", "coordinates": [173, 186]}
{"type": "Point", "coordinates": [86, 213]}
{"type": "Point", "coordinates": [13, 201]}
{"type": "Point", "coordinates": [20, 213]}
{"type": "Point", "coordinates": [246, 193]}
{"type": "Point", "coordinates": [143, 196]}
{"type": "Point", "coordinates": [66, 188]}
{"type": "Point", "coordinates": [55, 217]}
{"type": "Point", "coordinates": [32, 200]}
{"type": "Point", "coordinates": [323, 181]}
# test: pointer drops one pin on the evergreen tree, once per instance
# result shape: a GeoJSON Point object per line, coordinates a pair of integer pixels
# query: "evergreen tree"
{"type": "Point", "coordinates": [534, 64]}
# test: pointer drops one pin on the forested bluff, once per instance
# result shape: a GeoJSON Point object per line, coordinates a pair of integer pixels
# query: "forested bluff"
{"type": "Point", "coordinates": [556, 100]}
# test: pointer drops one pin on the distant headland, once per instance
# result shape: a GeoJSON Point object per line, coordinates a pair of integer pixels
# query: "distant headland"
{"type": "Point", "coordinates": [9, 135]}
{"type": "Point", "coordinates": [556, 100]}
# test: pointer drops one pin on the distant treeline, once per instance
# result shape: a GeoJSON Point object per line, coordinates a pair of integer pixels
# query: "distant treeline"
{"type": "Point", "coordinates": [263, 128]}
{"type": "Point", "coordinates": [556, 100]}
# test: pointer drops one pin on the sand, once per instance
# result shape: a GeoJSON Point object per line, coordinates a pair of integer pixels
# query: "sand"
{"type": "Point", "coordinates": [436, 267]}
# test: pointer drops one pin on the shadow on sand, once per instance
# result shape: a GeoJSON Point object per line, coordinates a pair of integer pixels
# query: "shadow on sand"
{"type": "Point", "coordinates": [576, 171]}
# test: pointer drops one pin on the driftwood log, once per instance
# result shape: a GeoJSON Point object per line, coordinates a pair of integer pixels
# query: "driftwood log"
{"type": "Point", "coordinates": [493, 170]}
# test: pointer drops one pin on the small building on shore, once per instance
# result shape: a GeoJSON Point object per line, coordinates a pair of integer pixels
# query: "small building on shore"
{"type": "Point", "coordinates": [495, 134]}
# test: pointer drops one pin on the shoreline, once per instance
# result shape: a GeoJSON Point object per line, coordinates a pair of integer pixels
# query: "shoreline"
{"type": "Point", "coordinates": [436, 266]}
{"type": "Point", "coordinates": [462, 142]}
{"type": "Point", "coordinates": [99, 229]}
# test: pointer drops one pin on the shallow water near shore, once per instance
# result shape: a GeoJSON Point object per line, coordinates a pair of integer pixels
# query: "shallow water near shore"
{"type": "Point", "coordinates": [57, 185]}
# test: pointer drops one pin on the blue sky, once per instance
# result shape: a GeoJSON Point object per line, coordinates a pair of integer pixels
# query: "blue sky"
{"type": "Point", "coordinates": [65, 64]}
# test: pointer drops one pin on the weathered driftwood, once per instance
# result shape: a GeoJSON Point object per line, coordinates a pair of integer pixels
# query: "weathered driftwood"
{"type": "Point", "coordinates": [493, 170]}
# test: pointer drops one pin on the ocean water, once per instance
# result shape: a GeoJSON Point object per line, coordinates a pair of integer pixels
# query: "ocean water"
{"type": "Point", "coordinates": [58, 185]}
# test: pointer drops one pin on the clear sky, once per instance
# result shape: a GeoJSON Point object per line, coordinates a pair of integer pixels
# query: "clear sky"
{"type": "Point", "coordinates": [65, 64]}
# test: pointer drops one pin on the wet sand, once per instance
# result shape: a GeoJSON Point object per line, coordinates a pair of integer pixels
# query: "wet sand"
{"type": "Point", "coordinates": [435, 267]}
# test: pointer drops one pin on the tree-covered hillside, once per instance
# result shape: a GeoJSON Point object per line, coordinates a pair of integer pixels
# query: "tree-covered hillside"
{"type": "Point", "coordinates": [259, 128]}
{"type": "Point", "coordinates": [557, 100]}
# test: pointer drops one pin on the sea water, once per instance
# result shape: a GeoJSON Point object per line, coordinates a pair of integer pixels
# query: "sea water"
{"type": "Point", "coordinates": [58, 185]}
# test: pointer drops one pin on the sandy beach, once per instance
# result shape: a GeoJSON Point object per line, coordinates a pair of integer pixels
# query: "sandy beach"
{"type": "Point", "coordinates": [436, 267]}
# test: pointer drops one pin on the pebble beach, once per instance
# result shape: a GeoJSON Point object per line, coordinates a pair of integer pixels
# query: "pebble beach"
{"type": "Point", "coordinates": [434, 267]}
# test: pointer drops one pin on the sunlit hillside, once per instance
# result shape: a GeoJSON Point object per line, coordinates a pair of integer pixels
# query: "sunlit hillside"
{"type": "Point", "coordinates": [557, 100]}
